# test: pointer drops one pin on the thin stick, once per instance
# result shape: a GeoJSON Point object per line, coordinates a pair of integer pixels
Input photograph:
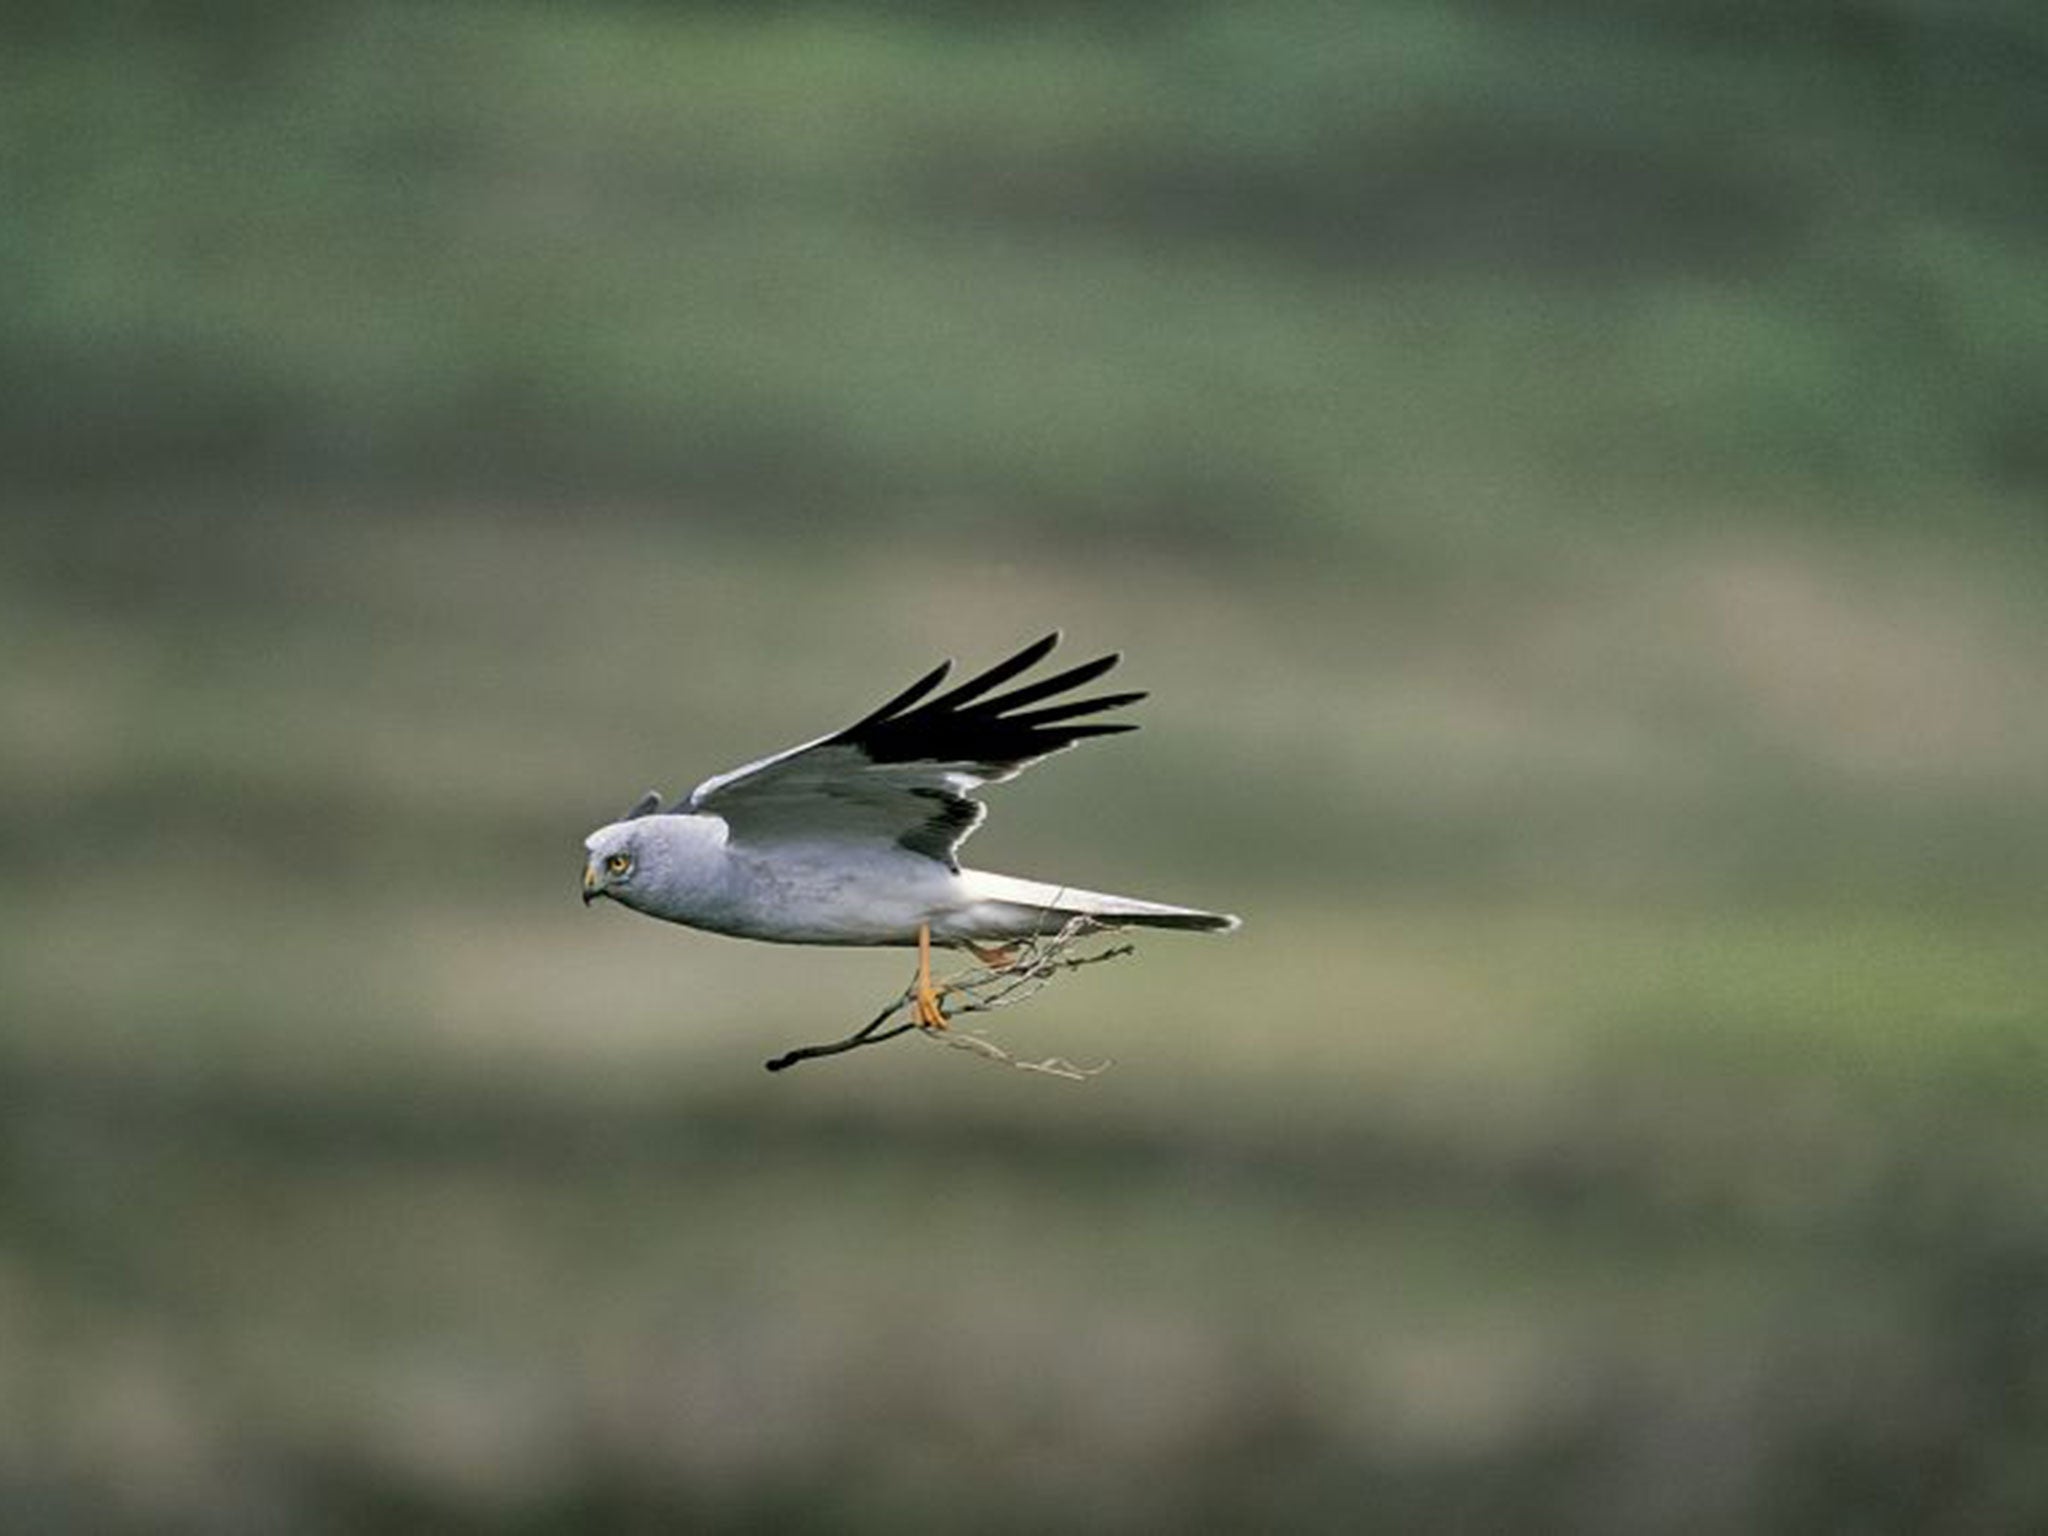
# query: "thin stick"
{"type": "Point", "coordinates": [1044, 956]}
{"type": "Point", "coordinates": [865, 1035]}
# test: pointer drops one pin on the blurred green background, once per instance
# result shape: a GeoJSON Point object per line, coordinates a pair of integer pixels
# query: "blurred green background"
{"type": "Point", "coordinates": [1572, 474]}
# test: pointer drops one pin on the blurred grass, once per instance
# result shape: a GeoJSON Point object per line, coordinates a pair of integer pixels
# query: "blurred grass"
{"type": "Point", "coordinates": [1154, 265]}
{"type": "Point", "coordinates": [348, 1152]}
{"type": "Point", "coordinates": [1569, 477]}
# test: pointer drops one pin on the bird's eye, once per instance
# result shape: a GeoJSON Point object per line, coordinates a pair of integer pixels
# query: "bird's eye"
{"type": "Point", "coordinates": [618, 863]}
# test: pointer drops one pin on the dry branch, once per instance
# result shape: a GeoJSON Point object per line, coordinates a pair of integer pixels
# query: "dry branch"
{"type": "Point", "coordinates": [1031, 966]}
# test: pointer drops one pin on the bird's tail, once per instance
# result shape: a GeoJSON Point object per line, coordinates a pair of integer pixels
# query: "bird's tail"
{"type": "Point", "coordinates": [1018, 908]}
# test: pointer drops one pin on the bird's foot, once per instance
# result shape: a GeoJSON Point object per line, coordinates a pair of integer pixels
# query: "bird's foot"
{"type": "Point", "coordinates": [925, 995]}
{"type": "Point", "coordinates": [998, 957]}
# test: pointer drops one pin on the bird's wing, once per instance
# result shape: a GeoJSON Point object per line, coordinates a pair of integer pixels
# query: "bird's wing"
{"type": "Point", "coordinates": [902, 774]}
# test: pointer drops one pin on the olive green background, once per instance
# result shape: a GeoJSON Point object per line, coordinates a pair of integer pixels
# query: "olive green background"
{"type": "Point", "coordinates": [1572, 476]}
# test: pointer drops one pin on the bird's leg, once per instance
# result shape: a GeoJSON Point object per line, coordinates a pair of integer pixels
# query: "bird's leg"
{"type": "Point", "coordinates": [998, 958]}
{"type": "Point", "coordinates": [929, 1014]}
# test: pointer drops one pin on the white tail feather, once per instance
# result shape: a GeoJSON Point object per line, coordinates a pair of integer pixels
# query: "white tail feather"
{"type": "Point", "coordinates": [1007, 906]}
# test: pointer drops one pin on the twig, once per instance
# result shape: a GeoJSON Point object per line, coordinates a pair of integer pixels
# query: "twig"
{"type": "Point", "coordinates": [865, 1035]}
{"type": "Point", "coordinates": [1039, 960]}
{"type": "Point", "coordinates": [1052, 1066]}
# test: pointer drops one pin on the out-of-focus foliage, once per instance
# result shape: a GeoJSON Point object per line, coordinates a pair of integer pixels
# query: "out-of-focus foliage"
{"type": "Point", "coordinates": [1570, 476]}
{"type": "Point", "coordinates": [1167, 264]}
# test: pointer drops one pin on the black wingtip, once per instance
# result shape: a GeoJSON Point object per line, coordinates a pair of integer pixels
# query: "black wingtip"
{"type": "Point", "coordinates": [1054, 713]}
{"type": "Point", "coordinates": [977, 722]}
{"type": "Point", "coordinates": [905, 699]}
{"type": "Point", "coordinates": [1000, 673]}
{"type": "Point", "coordinates": [1046, 687]}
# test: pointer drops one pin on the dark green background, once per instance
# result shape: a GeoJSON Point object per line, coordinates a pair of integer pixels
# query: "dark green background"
{"type": "Point", "coordinates": [1572, 476]}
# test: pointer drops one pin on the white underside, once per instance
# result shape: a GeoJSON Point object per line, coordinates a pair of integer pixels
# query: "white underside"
{"type": "Point", "coordinates": [972, 905]}
{"type": "Point", "coordinates": [855, 894]}
{"type": "Point", "coordinates": [1005, 907]}
{"type": "Point", "coordinates": [796, 902]}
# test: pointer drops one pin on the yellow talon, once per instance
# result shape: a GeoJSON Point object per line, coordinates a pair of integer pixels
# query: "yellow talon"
{"type": "Point", "coordinates": [929, 1014]}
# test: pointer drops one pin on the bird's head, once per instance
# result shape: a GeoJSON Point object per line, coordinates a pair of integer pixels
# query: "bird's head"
{"type": "Point", "coordinates": [652, 862]}
{"type": "Point", "coordinates": [612, 858]}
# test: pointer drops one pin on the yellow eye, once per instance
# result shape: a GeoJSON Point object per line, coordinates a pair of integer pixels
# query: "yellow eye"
{"type": "Point", "coordinates": [618, 863]}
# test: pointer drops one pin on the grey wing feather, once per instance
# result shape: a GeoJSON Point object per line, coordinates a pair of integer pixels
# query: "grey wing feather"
{"type": "Point", "coordinates": [903, 773]}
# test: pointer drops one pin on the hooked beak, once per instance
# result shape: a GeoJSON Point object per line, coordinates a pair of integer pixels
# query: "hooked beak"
{"type": "Point", "coordinates": [591, 889]}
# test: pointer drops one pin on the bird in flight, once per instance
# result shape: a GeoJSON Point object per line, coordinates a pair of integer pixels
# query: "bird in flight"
{"type": "Point", "coordinates": [854, 838]}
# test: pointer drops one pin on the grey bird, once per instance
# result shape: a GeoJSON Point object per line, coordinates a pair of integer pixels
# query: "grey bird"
{"type": "Point", "coordinates": [854, 838]}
